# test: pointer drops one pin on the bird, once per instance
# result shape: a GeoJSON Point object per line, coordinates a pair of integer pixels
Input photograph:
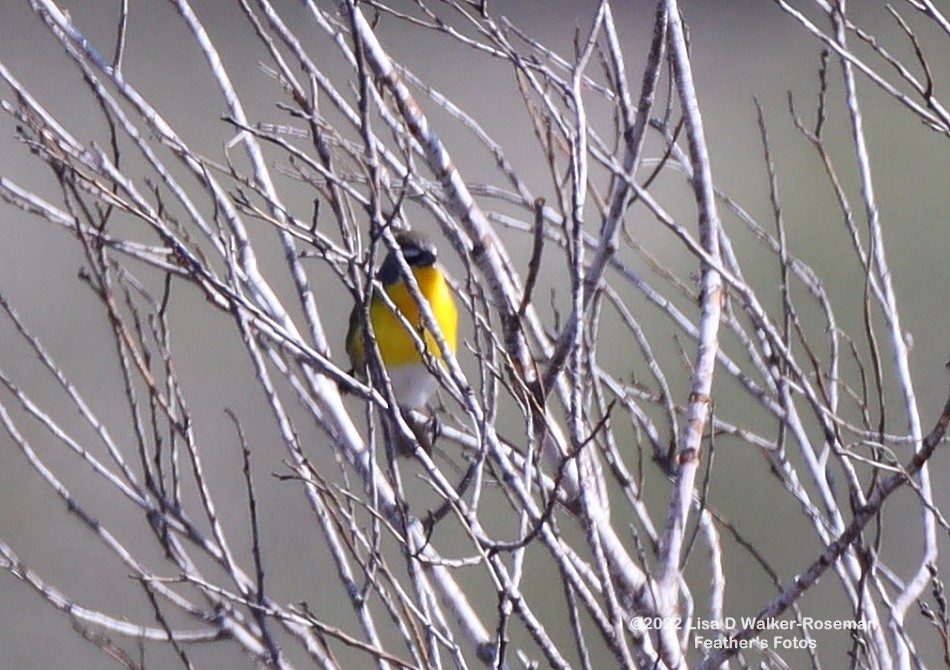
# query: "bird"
{"type": "Point", "coordinates": [413, 383]}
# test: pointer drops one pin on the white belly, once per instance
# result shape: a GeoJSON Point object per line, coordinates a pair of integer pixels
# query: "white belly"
{"type": "Point", "coordinates": [413, 385]}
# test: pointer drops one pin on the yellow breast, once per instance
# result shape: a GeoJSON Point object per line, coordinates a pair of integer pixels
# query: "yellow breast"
{"type": "Point", "coordinates": [396, 345]}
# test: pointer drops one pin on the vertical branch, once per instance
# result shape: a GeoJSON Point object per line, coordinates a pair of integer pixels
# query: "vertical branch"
{"type": "Point", "coordinates": [919, 582]}
{"type": "Point", "coordinates": [690, 442]}
{"type": "Point", "coordinates": [634, 127]}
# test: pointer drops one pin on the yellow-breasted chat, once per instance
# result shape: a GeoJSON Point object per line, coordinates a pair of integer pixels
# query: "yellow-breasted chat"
{"type": "Point", "coordinates": [412, 382]}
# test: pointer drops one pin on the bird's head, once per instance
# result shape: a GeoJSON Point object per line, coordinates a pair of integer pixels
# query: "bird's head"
{"type": "Point", "coordinates": [416, 249]}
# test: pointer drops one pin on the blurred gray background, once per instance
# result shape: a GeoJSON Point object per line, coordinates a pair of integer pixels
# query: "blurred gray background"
{"type": "Point", "coordinates": [741, 50]}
